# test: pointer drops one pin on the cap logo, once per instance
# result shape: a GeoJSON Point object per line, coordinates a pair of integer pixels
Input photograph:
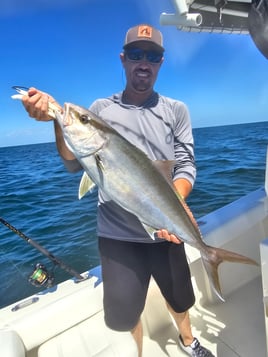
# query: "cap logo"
{"type": "Point", "coordinates": [145, 31]}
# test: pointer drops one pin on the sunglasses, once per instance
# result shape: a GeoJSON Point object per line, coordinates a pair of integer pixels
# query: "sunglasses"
{"type": "Point", "coordinates": [136, 54]}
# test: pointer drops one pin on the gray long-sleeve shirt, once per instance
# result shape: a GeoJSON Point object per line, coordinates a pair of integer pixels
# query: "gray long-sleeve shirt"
{"type": "Point", "coordinates": [161, 127]}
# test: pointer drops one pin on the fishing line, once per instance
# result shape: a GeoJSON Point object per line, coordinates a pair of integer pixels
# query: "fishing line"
{"type": "Point", "coordinates": [40, 275]}
{"type": "Point", "coordinates": [17, 269]}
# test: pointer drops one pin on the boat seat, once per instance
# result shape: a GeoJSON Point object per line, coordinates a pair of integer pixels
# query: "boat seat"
{"type": "Point", "coordinates": [11, 344]}
{"type": "Point", "coordinates": [90, 338]}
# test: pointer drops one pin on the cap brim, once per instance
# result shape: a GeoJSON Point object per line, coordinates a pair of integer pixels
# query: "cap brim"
{"type": "Point", "coordinates": [136, 43]}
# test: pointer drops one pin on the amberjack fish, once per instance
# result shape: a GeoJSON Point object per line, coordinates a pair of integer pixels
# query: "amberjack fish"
{"type": "Point", "coordinates": [128, 177]}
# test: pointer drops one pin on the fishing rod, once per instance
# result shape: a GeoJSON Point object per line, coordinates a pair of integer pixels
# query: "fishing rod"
{"type": "Point", "coordinates": [40, 275]}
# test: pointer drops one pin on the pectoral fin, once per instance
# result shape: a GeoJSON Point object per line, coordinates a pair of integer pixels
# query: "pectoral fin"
{"type": "Point", "coordinates": [86, 185]}
{"type": "Point", "coordinates": [99, 162]}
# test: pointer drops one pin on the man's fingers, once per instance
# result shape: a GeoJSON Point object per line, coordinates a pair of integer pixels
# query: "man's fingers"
{"type": "Point", "coordinates": [36, 104]}
{"type": "Point", "coordinates": [164, 234]}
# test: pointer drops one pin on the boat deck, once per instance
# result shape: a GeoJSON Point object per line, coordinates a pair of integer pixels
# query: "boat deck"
{"type": "Point", "coordinates": [67, 320]}
{"type": "Point", "coordinates": [235, 328]}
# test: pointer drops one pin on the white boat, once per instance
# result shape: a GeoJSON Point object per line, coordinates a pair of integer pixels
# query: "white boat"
{"type": "Point", "coordinates": [67, 320]}
{"type": "Point", "coordinates": [222, 16]}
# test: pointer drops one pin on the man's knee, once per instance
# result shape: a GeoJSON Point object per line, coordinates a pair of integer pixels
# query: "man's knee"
{"type": "Point", "coordinates": [121, 321]}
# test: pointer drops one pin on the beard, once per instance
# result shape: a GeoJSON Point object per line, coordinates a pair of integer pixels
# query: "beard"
{"type": "Point", "coordinates": [142, 81]}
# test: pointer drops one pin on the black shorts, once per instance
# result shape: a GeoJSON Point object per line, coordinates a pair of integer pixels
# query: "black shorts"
{"type": "Point", "coordinates": [127, 268]}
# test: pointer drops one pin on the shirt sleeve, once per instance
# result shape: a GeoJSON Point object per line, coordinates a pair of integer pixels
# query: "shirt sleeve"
{"type": "Point", "coordinates": [185, 166]}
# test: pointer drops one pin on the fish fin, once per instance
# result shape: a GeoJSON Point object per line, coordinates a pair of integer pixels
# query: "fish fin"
{"type": "Point", "coordinates": [99, 162]}
{"type": "Point", "coordinates": [150, 230]}
{"type": "Point", "coordinates": [165, 167]}
{"type": "Point", "coordinates": [213, 276]}
{"type": "Point", "coordinates": [188, 211]}
{"type": "Point", "coordinates": [86, 184]}
{"type": "Point", "coordinates": [214, 257]}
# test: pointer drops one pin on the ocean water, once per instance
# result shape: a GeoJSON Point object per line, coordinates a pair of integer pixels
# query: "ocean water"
{"type": "Point", "coordinates": [39, 197]}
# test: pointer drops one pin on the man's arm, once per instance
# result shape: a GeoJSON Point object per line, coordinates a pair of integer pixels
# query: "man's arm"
{"type": "Point", "coordinates": [36, 104]}
{"type": "Point", "coordinates": [185, 163]}
{"type": "Point", "coordinates": [183, 187]}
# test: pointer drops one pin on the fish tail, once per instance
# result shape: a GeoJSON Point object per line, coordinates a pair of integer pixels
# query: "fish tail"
{"type": "Point", "coordinates": [213, 257]}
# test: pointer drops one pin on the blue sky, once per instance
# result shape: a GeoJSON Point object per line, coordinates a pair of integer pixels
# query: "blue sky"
{"type": "Point", "coordinates": [70, 48]}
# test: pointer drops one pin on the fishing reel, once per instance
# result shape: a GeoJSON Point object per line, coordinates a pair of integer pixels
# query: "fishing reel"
{"type": "Point", "coordinates": [41, 277]}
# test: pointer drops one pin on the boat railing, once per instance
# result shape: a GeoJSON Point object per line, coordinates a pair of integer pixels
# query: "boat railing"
{"type": "Point", "coordinates": [264, 264]}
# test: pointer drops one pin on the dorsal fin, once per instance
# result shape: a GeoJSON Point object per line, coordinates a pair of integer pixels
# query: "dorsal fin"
{"type": "Point", "coordinates": [165, 167]}
{"type": "Point", "coordinates": [188, 211]}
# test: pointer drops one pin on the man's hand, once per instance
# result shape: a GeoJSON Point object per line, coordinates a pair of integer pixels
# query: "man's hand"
{"type": "Point", "coordinates": [36, 104]}
{"type": "Point", "coordinates": [164, 234]}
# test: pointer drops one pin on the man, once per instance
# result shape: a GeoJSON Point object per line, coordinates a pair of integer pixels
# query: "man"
{"type": "Point", "coordinates": [161, 127]}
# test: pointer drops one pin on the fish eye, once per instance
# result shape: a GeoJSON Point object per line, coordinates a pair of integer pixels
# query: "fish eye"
{"type": "Point", "coordinates": [84, 119]}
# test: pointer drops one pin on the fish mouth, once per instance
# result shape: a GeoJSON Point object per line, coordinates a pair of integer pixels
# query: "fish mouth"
{"type": "Point", "coordinates": [65, 118]}
{"type": "Point", "coordinates": [68, 116]}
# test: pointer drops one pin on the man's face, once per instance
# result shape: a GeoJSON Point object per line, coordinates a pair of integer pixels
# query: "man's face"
{"type": "Point", "coordinates": [142, 63]}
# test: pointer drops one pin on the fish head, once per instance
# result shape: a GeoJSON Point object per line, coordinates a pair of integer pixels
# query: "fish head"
{"type": "Point", "coordinates": [81, 131]}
